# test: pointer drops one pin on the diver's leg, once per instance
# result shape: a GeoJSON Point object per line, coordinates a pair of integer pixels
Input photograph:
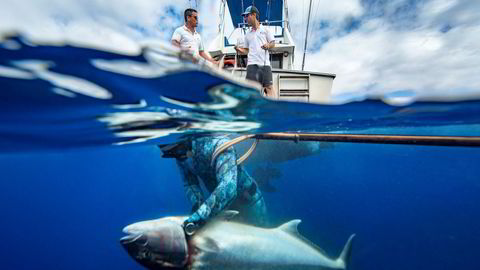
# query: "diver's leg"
{"type": "Point", "coordinates": [254, 207]}
{"type": "Point", "coordinates": [257, 212]}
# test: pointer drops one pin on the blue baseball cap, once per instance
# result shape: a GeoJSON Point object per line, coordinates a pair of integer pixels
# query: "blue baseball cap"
{"type": "Point", "coordinates": [249, 10]}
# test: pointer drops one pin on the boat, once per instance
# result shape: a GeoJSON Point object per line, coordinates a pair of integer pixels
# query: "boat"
{"type": "Point", "coordinates": [289, 84]}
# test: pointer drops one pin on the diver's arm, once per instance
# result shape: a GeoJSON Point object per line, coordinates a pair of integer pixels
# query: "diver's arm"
{"type": "Point", "coordinates": [224, 193]}
{"type": "Point", "coordinates": [191, 186]}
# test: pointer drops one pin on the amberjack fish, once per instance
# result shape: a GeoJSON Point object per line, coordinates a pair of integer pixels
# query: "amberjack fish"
{"type": "Point", "coordinates": [225, 244]}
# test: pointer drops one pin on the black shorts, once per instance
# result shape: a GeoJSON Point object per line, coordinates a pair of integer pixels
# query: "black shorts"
{"type": "Point", "coordinates": [261, 74]}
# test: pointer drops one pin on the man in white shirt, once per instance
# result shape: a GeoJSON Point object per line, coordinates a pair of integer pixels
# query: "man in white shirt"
{"type": "Point", "coordinates": [187, 38]}
{"type": "Point", "coordinates": [257, 42]}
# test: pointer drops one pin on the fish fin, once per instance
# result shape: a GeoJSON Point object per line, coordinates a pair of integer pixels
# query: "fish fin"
{"type": "Point", "coordinates": [290, 227]}
{"type": "Point", "coordinates": [227, 215]}
{"type": "Point", "coordinates": [207, 244]}
{"type": "Point", "coordinates": [344, 257]}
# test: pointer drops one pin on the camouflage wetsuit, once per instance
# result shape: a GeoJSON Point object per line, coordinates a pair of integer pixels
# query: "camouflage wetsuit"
{"type": "Point", "coordinates": [230, 186]}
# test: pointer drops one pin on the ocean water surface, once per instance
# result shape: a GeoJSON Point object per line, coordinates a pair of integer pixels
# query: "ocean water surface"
{"type": "Point", "coordinates": [79, 161]}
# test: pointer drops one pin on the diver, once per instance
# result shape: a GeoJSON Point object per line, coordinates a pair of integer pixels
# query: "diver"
{"type": "Point", "coordinates": [230, 186]}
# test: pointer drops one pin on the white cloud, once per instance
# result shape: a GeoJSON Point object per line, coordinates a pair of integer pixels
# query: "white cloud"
{"type": "Point", "coordinates": [114, 25]}
{"type": "Point", "coordinates": [455, 12]}
{"type": "Point", "coordinates": [382, 57]}
{"type": "Point", "coordinates": [334, 11]}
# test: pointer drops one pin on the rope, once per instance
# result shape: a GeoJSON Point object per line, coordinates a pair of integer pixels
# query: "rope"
{"type": "Point", "coordinates": [248, 153]}
{"type": "Point", "coordinates": [226, 145]}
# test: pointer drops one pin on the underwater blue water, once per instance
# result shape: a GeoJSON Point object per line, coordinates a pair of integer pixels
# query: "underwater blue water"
{"type": "Point", "coordinates": [68, 188]}
{"type": "Point", "coordinates": [411, 207]}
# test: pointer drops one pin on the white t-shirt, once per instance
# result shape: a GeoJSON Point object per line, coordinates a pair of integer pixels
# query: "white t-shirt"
{"type": "Point", "coordinates": [254, 41]}
{"type": "Point", "coordinates": [189, 41]}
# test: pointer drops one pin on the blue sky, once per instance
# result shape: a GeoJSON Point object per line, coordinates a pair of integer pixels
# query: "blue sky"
{"type": "Point", "coordinates": [430, 47]}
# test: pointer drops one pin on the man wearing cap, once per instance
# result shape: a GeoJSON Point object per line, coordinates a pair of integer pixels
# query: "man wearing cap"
{"type": "Point", "coordinates": [187, 38]}
{"type": "Point", "coordinates": [258, 41]}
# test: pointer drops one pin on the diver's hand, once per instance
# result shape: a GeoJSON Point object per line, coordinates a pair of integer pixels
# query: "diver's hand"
{"type": "Point", "coordinates": [190, 228]}
{"type": "Point", "coordinates": [191, 224]}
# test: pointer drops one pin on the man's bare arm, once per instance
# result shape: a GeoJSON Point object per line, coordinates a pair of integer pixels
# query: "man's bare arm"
{"type": "Point", "coordinates": [269, 45]}
{"type": "Point", "coordinates": [207, 57]}
{"type": "Point", "coordinates": [241, 50]}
